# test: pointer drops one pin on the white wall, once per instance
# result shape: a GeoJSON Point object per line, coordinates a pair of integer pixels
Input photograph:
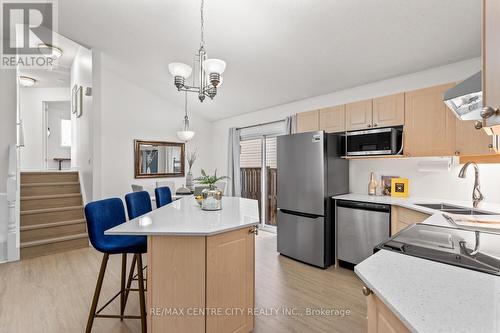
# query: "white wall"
{"type": "Point", "coordinates": [82, 129]}
{"type": "Point", "coordinates": [125, 112]}
{"type": "Point", "coordinates": [31, 110]}
{"type": "Point", "coordinates": [56, 111]}
{"type": "Point", "coordinates": [445, 184]}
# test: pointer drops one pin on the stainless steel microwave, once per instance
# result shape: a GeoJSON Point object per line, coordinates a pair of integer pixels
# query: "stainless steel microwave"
{"type": "Point", "coordinates": [380, 141]}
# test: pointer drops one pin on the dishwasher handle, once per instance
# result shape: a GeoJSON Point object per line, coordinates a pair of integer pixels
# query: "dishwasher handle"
{"type": "Point", "coordinates": [364, 206]}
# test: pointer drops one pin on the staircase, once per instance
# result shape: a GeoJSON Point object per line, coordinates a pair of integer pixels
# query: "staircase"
{"type": "Point", "coordinates": [52, 218]}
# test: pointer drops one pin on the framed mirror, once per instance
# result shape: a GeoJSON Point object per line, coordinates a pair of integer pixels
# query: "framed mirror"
{"type": "Point", "coordinates": [156, 159]}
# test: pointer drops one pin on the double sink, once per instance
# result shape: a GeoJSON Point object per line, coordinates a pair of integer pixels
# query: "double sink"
{"type": "Point", "coordinates": [452, 209]}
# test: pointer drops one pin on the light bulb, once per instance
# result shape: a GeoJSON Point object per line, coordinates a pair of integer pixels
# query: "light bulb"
{"type": "Point", "coordinates": [214, 66]}
{"type": "Point", "coordinates": [180, 69]}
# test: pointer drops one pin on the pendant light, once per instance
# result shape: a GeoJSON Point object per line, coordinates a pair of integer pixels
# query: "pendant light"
{"type": "Point", "coordinates": [185, 135]}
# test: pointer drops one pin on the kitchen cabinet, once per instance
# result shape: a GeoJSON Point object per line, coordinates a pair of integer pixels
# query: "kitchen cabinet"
{"type": "Point", "coordinates": [491, 61]}
{"type": "Point", "coordinates": [389, 110]}
{"type": "Point", "coordinates": [470, 141]}
{"type": "Point", "coordinates": [359, 115]}
{"type": "Point", "coordinates": [381, 319]}
{"type": "Point", "coordinates": [403, 217]}
{"type": "Point", "coordinates": [308, 121]}
{"type": "Point", "coordinates": [230, 270]}
{"type": "Point", "coordinates": [332, 120]}
{"type": "Point", "coordinates": [430, 127]}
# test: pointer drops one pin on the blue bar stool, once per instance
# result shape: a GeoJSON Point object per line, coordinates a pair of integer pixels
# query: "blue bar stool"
{"type": "Point", "coordinates": [138, 203]}
{"type": "Point", "coordinates": [163, 196]}
{"type": "Point", "coordinates": [102, 215]}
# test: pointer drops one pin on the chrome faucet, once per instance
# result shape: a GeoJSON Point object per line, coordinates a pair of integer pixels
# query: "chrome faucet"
{"type": "Point", "coordinates": [477, 196]}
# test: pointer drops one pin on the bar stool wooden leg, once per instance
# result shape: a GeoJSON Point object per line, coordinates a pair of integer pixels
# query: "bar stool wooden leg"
{"type": "Point", "coordinates": [97, 292]}
{"type": "Point", "coordinates": [129, 281]}
{"type": "Point", "coordinates": [122, 295]}
{"type": "Point", "coordinates": [142, 298]}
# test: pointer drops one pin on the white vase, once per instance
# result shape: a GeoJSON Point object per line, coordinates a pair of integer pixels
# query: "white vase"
{"type": "Point", "coordinates": [189, 180]}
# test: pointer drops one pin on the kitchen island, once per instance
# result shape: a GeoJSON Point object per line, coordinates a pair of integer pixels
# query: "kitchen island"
{"type": "Point", "coordinates": [201, 265]}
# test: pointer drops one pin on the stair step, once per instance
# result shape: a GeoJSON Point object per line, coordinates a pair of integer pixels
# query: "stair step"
{"type": "Point", "coordinates": [48, 176]}
{"type": "Point", "coordinates": [50, 201]}
{"type": "Point", "coordinates": [38, 189]}
{"type": "Point", "coordinates": [49, 210]}
{"type": "Point", "coordinates": [50, 225]}
{"type": "Point", "coordinates": [53, 231]}
{"type": "Point", "coordinates": [51, 215]}
{"type": "Point", "coordinates": [53, 245]}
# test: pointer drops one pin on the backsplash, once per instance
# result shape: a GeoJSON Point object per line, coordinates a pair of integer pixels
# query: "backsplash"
{"type": "Point", "coordinates": [435, 185]}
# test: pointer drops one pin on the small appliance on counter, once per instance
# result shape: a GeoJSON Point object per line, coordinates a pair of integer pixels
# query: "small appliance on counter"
{"type": "Point", "coordinates": [476, 250]}
{"type": "Point", "coordinates": [379, 141]}
{"type": "Point", "coordinates": [310, 171]}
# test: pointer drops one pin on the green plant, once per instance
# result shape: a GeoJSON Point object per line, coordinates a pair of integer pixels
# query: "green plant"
{"type": "Point", "coordinates": [205, 179]}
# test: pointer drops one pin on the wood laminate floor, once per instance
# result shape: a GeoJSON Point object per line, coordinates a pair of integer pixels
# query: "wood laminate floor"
{"type": "Point", "coordinates": [52, 294]}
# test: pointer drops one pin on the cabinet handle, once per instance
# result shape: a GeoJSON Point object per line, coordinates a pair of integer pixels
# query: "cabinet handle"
{"type": "Point", "coordinates": [367, 291]}
{"type": "Point", "coordinates": [369, 125]}
{"type": "Point", "coordinates": [488, 112]}
{"type": "Point", "coordinates": [490, 146]}
{"type": "Point", "coordinates": [254, 230]}
{"type": "Point", "coordinates": [478, 125]}
{"type": "Point", "coordinates": [457, 153]}
{"type": "Point", "coordinates": [375, 125]}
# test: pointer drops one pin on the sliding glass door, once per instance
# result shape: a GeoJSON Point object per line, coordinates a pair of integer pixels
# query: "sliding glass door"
{"type": "Point", "coordinates": [258, 165]}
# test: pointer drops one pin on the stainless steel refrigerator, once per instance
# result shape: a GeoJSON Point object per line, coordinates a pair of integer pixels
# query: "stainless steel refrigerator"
{"type": "Point", "coordinates": [310, 171]}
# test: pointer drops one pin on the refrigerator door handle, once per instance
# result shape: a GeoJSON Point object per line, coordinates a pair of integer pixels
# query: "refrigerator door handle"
{"type": "Point", "coordinates": [307, 215]}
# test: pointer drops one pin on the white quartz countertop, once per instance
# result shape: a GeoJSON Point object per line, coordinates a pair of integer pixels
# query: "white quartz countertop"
{"type": "Point", "coordinates": [412, 201]}
{"type": "Point", "coordinates": [184, 217]}
{"type": "Point", "coordinates": [428, 296]}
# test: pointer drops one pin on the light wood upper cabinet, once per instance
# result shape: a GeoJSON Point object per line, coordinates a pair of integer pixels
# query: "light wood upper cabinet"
{"type": "Point", "coordinates": [381, 319]}
{"type": "Point", "coordinates": [491, 59]}
{"type": "Point", "coordinates": [332, 120]}
{"type": "Point", "coordinates": [471, 141]}
{"type": "Point", "coordinates": [234, 287]}
{"type": "Point", "coordinates": [430, 127]}
{"type": "Point", "coordinates": [389, 110]}
{"type": "Point", "coordinates": [308, 121]}
{"type": "Point", "coordinates": [359, 115]}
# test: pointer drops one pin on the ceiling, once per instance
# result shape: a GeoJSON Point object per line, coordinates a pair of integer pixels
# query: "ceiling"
{"type": "Point", "coordinates": [60, 74]}
{"type": "Point", "coordinates": [276, 51]}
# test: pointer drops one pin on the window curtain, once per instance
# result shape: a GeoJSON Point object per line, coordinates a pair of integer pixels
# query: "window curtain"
{"type": "Point", "coordinates": [290, 124]}
{"type": "Point", "coordinates": [233, 169]}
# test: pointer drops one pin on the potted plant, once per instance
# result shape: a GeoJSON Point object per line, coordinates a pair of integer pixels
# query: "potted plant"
{"type": "Point", "coordinates": [191, 158]}
{"type": "Point", "coordinates": [211, 196]}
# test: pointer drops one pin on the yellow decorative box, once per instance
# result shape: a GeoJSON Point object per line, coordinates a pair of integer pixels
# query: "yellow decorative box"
{"type": "Point", "coordinates": [399, 187]}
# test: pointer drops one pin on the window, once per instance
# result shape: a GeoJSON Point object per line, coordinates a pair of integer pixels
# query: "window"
{"type": "Point", "coordinates": [65, 133]}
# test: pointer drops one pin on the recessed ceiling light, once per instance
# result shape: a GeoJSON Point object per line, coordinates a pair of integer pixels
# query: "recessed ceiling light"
{"type": "Point", "coordinates": [27, 81]}
{"type": "Point", "coordinates": [50, 51]}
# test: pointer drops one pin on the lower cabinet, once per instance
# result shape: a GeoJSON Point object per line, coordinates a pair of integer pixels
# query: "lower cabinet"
{"type": "Point", "coordinates": [403, 217]}
{"type": "Point", "coordinates": [381, 319]}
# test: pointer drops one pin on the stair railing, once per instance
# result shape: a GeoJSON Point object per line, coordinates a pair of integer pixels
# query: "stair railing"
{"type": "Point", "coordinates": [13, 186]}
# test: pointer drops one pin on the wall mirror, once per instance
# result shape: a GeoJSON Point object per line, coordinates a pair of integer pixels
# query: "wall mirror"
{"type": "Point", "coordinates": [155, 159]}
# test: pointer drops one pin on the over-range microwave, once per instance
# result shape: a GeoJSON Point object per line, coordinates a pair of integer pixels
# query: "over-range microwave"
{"type": "Point", "coordinates": [379, 141]}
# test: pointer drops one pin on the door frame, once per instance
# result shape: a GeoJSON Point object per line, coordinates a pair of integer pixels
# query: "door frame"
{"type": "Point", "coordinates": [45, 122]}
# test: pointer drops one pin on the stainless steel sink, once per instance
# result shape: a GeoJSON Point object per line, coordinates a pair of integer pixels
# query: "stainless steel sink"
{"type": "Point", "coordinates": [452, 209]}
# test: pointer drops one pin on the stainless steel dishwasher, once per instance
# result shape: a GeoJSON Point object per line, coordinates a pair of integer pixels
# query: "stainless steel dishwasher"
{"type": "Point", "coordinates": [360, 227]}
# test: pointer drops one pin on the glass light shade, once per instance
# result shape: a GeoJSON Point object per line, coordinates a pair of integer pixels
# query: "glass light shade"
{"type": "Point", "coordinates": [185, 135]}
{"type": "Point", "coordinates": [214, 66]}
{"type": "Point", "coordinates": [50, 51]}
{"type": "Point", "coordinates": [180, 69]}
{"type": "Point", "coordinates": [27, 81]}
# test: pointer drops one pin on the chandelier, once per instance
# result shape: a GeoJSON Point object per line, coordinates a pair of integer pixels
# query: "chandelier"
{"type": "Point", "coordinates": [210, 70]}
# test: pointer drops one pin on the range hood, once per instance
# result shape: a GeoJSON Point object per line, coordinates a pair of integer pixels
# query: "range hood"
{"type": "Point", "coordinates": [466, 98]}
